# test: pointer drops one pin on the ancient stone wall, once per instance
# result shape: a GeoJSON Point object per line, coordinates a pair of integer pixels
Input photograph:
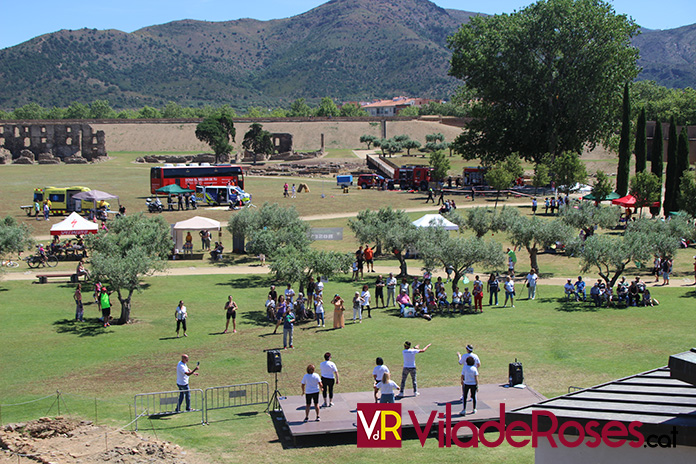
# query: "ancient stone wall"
{"type": "Point", "coordinates": [62, 140]}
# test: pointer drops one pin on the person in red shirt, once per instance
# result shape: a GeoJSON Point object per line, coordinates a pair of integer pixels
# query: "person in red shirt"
{"type": "Point", "coordinates": [369, 255]}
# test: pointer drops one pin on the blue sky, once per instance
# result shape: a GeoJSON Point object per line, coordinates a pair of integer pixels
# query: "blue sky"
{"type": "Point", "coordinates": [25, 20]}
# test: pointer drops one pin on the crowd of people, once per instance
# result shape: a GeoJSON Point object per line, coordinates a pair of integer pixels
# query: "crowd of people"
{"type": "Point", "coordinates": [635, 293]}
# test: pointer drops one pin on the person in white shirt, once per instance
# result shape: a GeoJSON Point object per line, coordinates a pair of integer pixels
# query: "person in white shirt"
{"type": "Point", "coordinates": [387, 386]}
{"type": "Point", "coordinates": [365, 297]}
{"type": "Point", "coordinates": [509, 291]}
{"type": "Point", "coordinates": [570, 291]}
{"type": "Point", "coordinates": [391, 286]}
{"type": "Point", "coordinates": [469, 354]}
{"type": "Point", "coordinates": [311, 385]}
{"type": "Point", "coordinates": [378, 373]}
{"type": "Point", "coordinates": [470, 381]}
{"type": "Point", "coordinates": [329, 376]}
{"type": "Point", "coordinates": [289, 296]}
{"type": "Point", "coordinates": [532, 278]}
{"type": "Point", "coordinates": [410, 367]}
{"type": "Point", "coordinates": [182, 381]}
{"type": "Point", "coordinates": [180, 315]}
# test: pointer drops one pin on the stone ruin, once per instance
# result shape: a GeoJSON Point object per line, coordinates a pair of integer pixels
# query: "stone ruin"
{"type": "Point", "coordinates": [51, 143]}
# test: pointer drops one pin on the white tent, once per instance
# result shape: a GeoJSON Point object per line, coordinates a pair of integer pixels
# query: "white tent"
{"type": "Point", "coordinates": [435, 220]}
{"type": "Point", "coordinates": [74, 225]}
{"type": "Point", "coordinates": [193, 225]}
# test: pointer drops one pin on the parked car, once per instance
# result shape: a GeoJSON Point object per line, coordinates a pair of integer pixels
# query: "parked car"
{"type": "Point", "coordinates": [366, 181]}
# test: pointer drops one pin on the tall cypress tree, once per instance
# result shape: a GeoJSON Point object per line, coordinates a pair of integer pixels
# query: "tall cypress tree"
{"type": "Point", "coordinates": [622, 171]}
{"type": "Point", "coordinates": [641, 148]}
{"type": "Point", "coordinates": [671, 178]}
{"type": "Point", "coordinates": [656, 152]}
{"type": "Point", "coordinates": [656, 161]}
{"type": "Point", "coordinates": [682, 165]}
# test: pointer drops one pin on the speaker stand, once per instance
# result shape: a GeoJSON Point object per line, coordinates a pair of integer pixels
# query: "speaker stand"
{"type": "Point", "coordinates": [273, 403]}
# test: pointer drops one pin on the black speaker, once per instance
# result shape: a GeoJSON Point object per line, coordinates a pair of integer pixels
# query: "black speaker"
{"type": "Point", "coordinates": [273, 361]}
{"type": "Point", "coordinates": [516, 373]}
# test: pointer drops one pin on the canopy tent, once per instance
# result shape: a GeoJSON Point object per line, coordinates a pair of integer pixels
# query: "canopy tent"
{"type": "Point", "coordinates": [611, 196]}
{"type": "Point", "coordinates": [629, 201]}
{"type": "Point", "coordinates": [173, 189]}
{"type": "Point", "coordinates": [435, 220]}
{"type": "Point", "coordinates": [74, 225]}
{"type": "Point", "coordinates": [194, 224]}
{"type": "Point", "coordinates": [94, 196]}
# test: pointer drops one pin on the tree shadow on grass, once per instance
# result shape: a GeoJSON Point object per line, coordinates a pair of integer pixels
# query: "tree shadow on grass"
{"type": "Point", "coordinates": [247, 281]}
{"type": "Point", "coordinates": [572, 306]}
{"type": "Point", "coordinates": [258, 318]}
{"type": "Point", "coordinates": [91, 327]}
{"type": "Point", "coordinates": [691, 294]}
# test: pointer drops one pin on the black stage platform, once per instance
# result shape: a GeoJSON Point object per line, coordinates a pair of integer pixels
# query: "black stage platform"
{"type": "Point", "coordinates": [342, 417]}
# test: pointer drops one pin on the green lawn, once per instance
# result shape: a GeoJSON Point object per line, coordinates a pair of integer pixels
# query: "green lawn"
{"type": "Point", "coordinates": [560, 345]}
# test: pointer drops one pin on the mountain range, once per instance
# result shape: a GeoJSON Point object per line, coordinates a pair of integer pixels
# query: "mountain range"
{"type": "Point", "coordinates": [350, 50]}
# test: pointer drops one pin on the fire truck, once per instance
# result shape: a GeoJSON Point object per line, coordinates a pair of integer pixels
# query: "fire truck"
{"type": "Point", "coordinates": [417, 177]}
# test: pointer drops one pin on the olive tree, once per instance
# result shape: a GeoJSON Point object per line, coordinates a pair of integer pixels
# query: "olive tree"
{"type": "Point", "coordinates": [134, 247]}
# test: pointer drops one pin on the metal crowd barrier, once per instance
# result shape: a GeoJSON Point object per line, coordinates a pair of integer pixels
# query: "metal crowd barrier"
{"type": "Point", "coordinates": [165, 403]}
{"type": "Point", "coordinates": [233, 396]}
{"type": "Point", "coordinates": [228, 396]}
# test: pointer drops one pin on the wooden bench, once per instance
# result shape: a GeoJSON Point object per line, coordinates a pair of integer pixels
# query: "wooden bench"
{"type": "Point", "coordinates": [43, 278]}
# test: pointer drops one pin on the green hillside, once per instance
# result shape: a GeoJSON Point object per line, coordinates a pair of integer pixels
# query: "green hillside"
{"type": "Point", "coordinates": [347, 49]}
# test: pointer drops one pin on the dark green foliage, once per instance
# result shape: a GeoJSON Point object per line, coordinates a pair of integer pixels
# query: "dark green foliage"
{"type": "Point", "coordinates": [656, 152]}
{"type": "Point", "coordinates": [682, 166]}
{"type": "Point", "coordinates": [258, 141]}
{"type": "Point", "coordinates": [641, 148]}
{"type": "Point", "coordinates": [539, 71]}
{"type": "Point", "coordinates": [671, 176]}
{"type": "Point", "coordinates": [622, 171]}
{"type": "Point", "coordinates": [216, 131]}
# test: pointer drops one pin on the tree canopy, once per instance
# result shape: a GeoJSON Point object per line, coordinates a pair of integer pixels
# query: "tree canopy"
{"type": "Point", "coordinates": [15, 237]}
{"type": "Point", "coordinates": [546, 78]}
{"type": "Point", "coordinates": [568, 171]}
{"type": "Point", "coordinates": [269, 229]}
{"type": "Point", "coordinates": [440, 250]}
{"type": "Point", "coordinates": [135, 246]}
{"type": "Point", "coordinates": [258, 141]}
{"type": "Point", "coordinates": [217, 130]}
{"type": "Point", "coordinates": [387, 228]}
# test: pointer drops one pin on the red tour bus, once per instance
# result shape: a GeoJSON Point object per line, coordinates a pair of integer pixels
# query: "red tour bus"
{"type": "Point", "coordinates": [190, 176]}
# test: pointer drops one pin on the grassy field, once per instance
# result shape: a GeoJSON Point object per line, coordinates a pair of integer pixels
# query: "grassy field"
{"type": "Point", "coordinates": [560, 344]}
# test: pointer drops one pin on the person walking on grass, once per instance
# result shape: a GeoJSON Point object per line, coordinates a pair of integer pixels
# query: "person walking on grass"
{"type": "Point", "coordinates": [311, 385]}
{"type": "Point", "coordinates": [357, 308]}
{"type": "Point", "coordinates": [329, 376]}
{"type": "Point", "coordinates": [105, 305]}
{"type": "Point", "coordinates": [532, 279]}
{"type": "Point", "coordinates": [288, 328]}
{"type": "Point", "coordinates": [339, 308]}
{"type": "Point", "coordinates": [231, 313]}
{"type": "Point", "coordinates": [180, 314]}
{"type": "Point", "coordinates": [409, 368]}
{"type": "Point", "coordinates": [79, 309]}
{"type": "Point", "coordinates": [509, 291]}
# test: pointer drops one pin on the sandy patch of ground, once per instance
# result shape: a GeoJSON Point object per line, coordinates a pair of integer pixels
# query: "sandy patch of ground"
{"type": "Point", "coordinates": [70, 441]}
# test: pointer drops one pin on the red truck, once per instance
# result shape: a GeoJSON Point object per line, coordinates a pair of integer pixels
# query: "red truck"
{"type": "Point", "coordinates": [417, 177]}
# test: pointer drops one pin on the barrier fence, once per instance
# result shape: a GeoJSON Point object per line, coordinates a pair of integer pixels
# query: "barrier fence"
{"type": "Point", "coordinates": [167, 403]}
{"type": "Point", "coordinates": [228, 396]}
{"type": "Point", "coordinates": [233, 396]}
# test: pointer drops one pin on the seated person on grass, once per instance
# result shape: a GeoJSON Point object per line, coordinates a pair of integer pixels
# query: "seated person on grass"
{"type": "Point", "coordinates": [608, 297]}
{"type": "Point", "coordinates": [580, 289]}
{"type": "Point", "coordinates": [466, 299]}
{"type": "Point", "coordinates": [648, 300]}
{"type": "Point", "coordinates": [403, 301]}
{"type": "Point", "coordinates": [622, 291]}
{"type": "Point", "coordinates": [442, 299]}
{"type": "Point", "coordinates": [456, 298]}
{"type": "Point", "coordinates": [596, 294]}
{"type": "Point", "coordinates": [570, 291]}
